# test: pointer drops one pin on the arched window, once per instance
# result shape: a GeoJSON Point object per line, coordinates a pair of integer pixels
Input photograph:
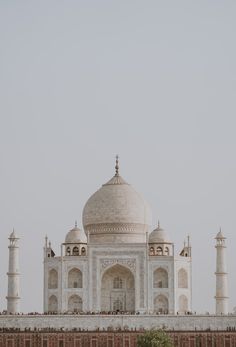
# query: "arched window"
{"type": "Point", "coordinates": [75, 304]}
{"type": "Point", "coordinates": [83, 251]}
{"type": "Point", "coordinates": [52, 304]}
{"type": "Point", "coordinates": [182, 278]}
{"type": "Point", "coordinates": [117, 283]}
{"type": "Point", "coordinates": [75, 278]}
{"type": "Point", "coordinates": [160, 278]}
{"type": "Point", "coordinates": [183, 304]}
{"type": "Point", "coordinates": [161, 304]}
{"type": "Point", "coordinates": [52, 279]}
{"type": "Point", "coordinates": [68, 251]}
{"type": "Point", "coordinates": [151, 251]}
{"type": "Point", "coordinates": [159, 251]}
{"type": "Point", "coordinates": [117, 305]}
{"type": "Point", "coordinates": [75, 251]}
{"type": "Point", "coordinates": [167, 252]}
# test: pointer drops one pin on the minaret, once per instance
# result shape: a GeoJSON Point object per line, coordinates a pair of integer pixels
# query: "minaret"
{"type": "Point", "coordinates": [221, 275]}
{"type": "Point", "coordinates": [13, 298]}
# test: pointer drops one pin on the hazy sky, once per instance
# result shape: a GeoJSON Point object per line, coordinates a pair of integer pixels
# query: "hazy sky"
{"type": "Point", "coordinates": [155, 82]}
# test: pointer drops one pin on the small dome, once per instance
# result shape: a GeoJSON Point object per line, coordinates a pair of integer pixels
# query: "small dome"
{"type": "Point", "coordinates": [75, 235]}
{"type": "Point", "coordinates": [220, 235]}
{"type": "Point", "coordinates": [159, 235]}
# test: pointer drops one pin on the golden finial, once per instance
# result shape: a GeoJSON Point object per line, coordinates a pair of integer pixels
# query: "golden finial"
{"type": "Point", "coordinates": [117, 166]}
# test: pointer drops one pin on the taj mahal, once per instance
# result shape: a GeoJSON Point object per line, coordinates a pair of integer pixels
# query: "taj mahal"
{"type": "Point", "coordinates": [113, 279]}
{"type": "Point", "coordinates": [115, 263]}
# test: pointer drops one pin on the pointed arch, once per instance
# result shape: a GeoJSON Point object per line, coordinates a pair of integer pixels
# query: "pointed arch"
{"type": "Point", "coordinates": [160, 278]}
{"type": "Point", "coordinates": [159, 250]}
{"type": "Point", "coordinates": [53, 304]}
{"type": "Point", "coordinates": [52, 279]}
{"type": "Point", "coordinates": [83, 251]}
{"type": "Point", "coordinates": [118, 289]}
{"type": "Point", "coordinates": [75, 303]}
{"type": "Point", "coordinates": [167, 251]}
{"type": "Point", "coordinates": [182, 278]}
{"type": "Point", "coordinates": [183, 304]}
{"type": "Point", "coordinates": [151, 251]}
{"type": "Point", "coordinates": [75, 250]}
{"type": "Point", "coordinates": [161, 304]}
{"type": "Point", "coordinates": [75, 278]}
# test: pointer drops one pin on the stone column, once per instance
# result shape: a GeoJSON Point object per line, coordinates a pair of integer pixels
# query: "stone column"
{"type": "Point", "coordinates": [221, 276]}
{"type": "Point", "coordinates": [13, 298]}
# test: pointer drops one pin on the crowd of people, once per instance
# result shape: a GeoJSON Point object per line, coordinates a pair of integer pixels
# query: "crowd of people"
{"type": "Point", "coordinates": [76, 312]}
{"type": "Point", "coordinates": [117, 312]}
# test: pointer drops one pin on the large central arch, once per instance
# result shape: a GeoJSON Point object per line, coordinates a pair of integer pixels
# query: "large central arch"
{"type": "Point", "coordinates": [118, 289]}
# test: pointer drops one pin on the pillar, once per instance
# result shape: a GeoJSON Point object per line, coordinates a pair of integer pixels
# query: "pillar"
{"type": "Point", "coordinates": [13, 298]}
{"type": "Point", "coordinates": [221, 275]}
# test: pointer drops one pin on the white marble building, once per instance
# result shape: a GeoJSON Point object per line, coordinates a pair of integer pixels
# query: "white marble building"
{"type": "Point", "coordinates": [117, 262]}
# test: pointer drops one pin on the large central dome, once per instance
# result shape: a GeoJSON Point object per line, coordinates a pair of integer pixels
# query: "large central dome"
{"type": "Point", "coordinates": [116, 213]}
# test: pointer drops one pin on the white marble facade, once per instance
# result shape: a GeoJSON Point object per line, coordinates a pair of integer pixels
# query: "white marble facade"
{"type": "Point", "coordinates": [116, 263]}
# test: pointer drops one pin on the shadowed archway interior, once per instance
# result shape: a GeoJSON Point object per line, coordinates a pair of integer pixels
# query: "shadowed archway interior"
{"type": "Point", "coordinates": [118, 289]}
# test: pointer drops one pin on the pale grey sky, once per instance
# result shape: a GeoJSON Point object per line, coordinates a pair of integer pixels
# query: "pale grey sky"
{"type": "Point", "coordinates": [154, 81]}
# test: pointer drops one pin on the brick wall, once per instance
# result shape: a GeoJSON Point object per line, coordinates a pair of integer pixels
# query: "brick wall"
{"type": "Point", "coordinates": [111, 339]}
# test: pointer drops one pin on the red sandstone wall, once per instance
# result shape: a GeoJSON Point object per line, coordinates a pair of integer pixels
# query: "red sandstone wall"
{"type": "Point", "coordinates": [111, 339]}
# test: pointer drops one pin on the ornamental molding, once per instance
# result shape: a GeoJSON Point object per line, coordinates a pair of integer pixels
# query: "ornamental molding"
{"type": "Point", "coordinates": [104, 228]}
{"type": "Point", "coordinates": [137, 257]}
{"type": "Point", "coordinates": [161, 266]}
{"type": "Point", "coordinates": [129, 263]}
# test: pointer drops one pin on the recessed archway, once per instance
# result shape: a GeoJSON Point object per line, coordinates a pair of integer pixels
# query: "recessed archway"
{"type": "Point", "coordinates": [52, 279]}
{"type": "Point", "coordinates": [118, 290]}
{"type": "Point", "coordinates": [53, 304]}
{"type": "Point", "coordinates": [161, 304]}
{"type": "Point", "coordinates": [183, 304]}
{"type": "Point", "coordinates": [75, 278]}
{"type": "Point", "coordinates": [160, 278]}
{"type": "Point", "coordinates": [182, 278]}
{"type": "Point", "coordinates": [75, 303]}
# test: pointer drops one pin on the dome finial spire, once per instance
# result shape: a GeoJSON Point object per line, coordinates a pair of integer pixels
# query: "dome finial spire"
{"type": "Point", "coordinates": [117, 165]}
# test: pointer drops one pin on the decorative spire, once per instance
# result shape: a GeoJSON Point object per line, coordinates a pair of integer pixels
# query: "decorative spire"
{"type": "Point", "coordinates": [158, 224]}
{"type": "Point", "coordinates": [46, 241]}
{"type": "Point", "coordinates": [76, 224]}
{"type": "Point", "coordinates": [188, 238]}
{"type": "Point", "coordinates": [220, 235]}
{"type": "Point", "coordinates": [117, 166]}
{"type": "Point", "coordinates": [13, 235]}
